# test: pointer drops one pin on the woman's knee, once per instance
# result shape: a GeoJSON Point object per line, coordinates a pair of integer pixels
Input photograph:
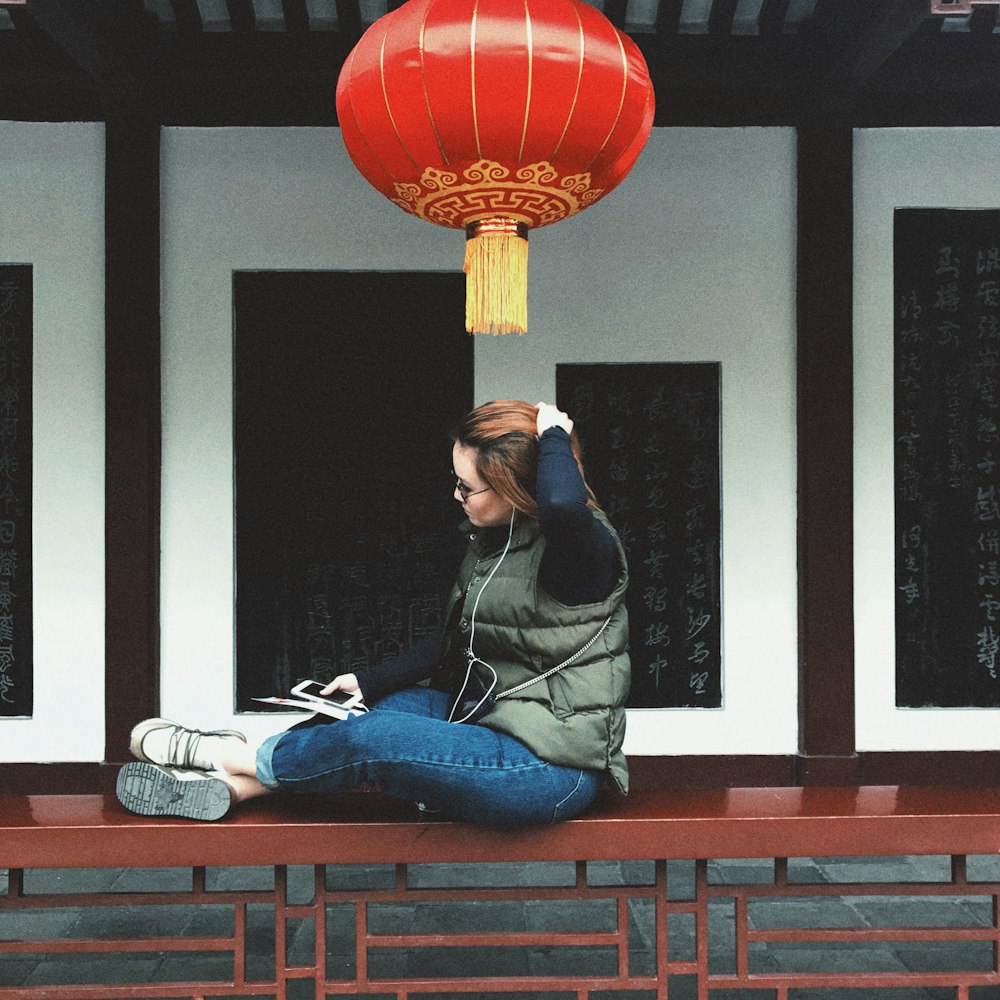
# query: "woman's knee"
{"type": "Point", "coordinates": [423, 701]}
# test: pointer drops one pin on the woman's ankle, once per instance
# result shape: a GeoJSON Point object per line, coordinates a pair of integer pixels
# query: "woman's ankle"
{"type": "Point", "coordinates": [237, 759]}
{"type": "Point", "coordinates": [245, 787]}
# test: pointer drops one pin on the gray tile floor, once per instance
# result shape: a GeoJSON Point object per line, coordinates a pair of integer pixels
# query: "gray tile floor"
{"type": "Point", "coordinates": [853, 909]}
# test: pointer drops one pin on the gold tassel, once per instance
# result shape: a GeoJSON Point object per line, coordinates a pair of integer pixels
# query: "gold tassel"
{"type": "Point", "coordinates": [496, 283]}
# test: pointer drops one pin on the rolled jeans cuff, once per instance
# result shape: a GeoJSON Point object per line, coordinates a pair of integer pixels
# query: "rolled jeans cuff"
{"type": "Point", "coordinates": [265, 770]}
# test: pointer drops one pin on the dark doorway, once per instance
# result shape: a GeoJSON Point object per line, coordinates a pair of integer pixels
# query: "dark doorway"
{"type": "Point", "coordinates": [346, 386]}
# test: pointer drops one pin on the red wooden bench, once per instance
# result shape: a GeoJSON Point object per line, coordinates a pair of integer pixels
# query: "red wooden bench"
{"type": "Point", "coordinates": [93, 831]}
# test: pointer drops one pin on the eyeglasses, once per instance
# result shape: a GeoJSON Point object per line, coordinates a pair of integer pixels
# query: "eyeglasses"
{"type": "Point", "coordinates": [465, 491]}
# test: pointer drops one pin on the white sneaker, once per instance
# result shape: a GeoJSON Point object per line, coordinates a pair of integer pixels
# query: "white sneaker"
{"type": "Point", "coordinates": [176, 745]}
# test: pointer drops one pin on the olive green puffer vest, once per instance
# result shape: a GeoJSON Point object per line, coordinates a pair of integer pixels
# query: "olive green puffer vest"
{"type": "Point", "coordinates": [576, 717]}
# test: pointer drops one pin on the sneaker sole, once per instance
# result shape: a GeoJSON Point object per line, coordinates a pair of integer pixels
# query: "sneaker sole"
{"type": "Point", "coordinates": [151, 790]}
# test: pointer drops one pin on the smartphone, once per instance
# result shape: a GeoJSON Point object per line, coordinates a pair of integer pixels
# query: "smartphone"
{"type": "Point", "coordinates": [342, 699]}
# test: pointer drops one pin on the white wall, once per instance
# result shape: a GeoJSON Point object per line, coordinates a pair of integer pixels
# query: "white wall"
{"type": "Point", "coordinates": [52, 217]}
{"type": "Point", "coordinates": [899, 168]}
{"type": "Point", "coordinates": [692, 259]}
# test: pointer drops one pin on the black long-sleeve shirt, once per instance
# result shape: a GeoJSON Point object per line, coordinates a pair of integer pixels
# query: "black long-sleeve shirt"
{"type": "Point", "coordinates": [579, 565]}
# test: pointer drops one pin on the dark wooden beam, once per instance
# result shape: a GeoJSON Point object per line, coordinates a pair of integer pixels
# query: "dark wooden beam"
{"type": "Point", "coordinates": [668, 19]}
{"type": "Point", "coordinates": [933, 767]}
{"type": "Point", "coordinates": [720, 18]}
{"type": "Point", "coordinates": [883, 30]}
{"type": "Point", "coordinates": [615, 11]}
{"type": "Point", "coordinates": [132, 444]}
{"type": "Point", "coordinates": [113, 45]}
{"type": "Point", "coordinates": [849, 40]}
{"type": "Point", "coordinates": [982, 21]}
{"type": "Point", "coordinates": [349, 24]}
{"type": "Point", "coordinates": [825, 455]}
{"type": "Point", "coordinates": [241, 15]}
{"type": "Point", "coordinates": [771, 20]}
{"type": "Point", "coordinates": [38, 83]}
{"type": "Point", "coordinates": [841, 47]}
{"type": "Point", "coordinates": [187, 15]}
{"type": "Point", "coordinates": [24, 23]}
{"type": "Point", "coordinates": [817, 71]}
{"type": "Point", "coordinates": [296, 15]}
{"type": "Point", "coordinates": [74, 33]}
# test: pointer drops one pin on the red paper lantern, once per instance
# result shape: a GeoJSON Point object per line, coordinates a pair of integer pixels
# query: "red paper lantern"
{"type": "Point", "coordinates": [497, 117]}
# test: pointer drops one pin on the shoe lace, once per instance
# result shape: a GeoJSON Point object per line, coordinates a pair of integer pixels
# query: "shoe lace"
{"type": "Point", "coordinates": [183, 745]}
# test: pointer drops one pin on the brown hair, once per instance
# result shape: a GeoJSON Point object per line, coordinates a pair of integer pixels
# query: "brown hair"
{"type": "Point", "coordinates": [504, 435]}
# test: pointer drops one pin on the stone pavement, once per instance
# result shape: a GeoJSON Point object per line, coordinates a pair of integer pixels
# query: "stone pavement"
{"type": "Point", "coordinates": [429, 917]}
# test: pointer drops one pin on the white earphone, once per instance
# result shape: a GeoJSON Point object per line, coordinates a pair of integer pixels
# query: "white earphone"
{"type": "Point", "coordinates": [470, 654]}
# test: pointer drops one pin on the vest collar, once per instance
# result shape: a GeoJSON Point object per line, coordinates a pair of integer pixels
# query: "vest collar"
{"type": "Point", "coordinates": [487, 541]}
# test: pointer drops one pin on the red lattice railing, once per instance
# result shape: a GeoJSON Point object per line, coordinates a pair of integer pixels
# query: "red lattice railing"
{"type": "Point", "coordinates": [681, 930]}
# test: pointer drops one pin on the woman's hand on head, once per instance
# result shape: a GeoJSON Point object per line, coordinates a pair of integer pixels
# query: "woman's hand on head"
{"type": "Point", "coordinates": [347, 683]}
{"type": "Point", "coordinates": [551, 416]}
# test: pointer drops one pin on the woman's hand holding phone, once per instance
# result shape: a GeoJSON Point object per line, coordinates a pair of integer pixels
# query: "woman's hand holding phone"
{"type": "Point", "coordinates": [348, 683]}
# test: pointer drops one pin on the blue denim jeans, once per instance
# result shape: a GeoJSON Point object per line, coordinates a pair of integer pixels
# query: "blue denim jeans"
{"type": "Point", "coordinates": [405, 746]}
